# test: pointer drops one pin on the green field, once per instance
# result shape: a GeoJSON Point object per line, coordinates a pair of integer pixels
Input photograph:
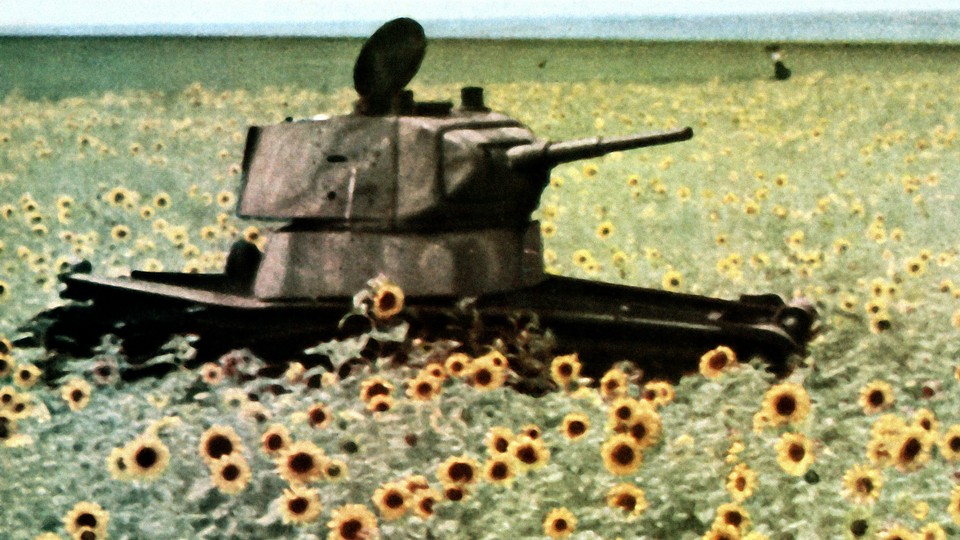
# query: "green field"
{"type": "Point", "coordinates": [838, 185]}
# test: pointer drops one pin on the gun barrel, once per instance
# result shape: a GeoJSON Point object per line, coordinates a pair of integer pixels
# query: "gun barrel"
{"type": "Point", "coordinates": [543, 153]}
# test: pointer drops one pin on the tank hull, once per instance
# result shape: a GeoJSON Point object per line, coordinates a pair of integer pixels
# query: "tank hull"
{"type": "Point", "coordinates": [663, 333]}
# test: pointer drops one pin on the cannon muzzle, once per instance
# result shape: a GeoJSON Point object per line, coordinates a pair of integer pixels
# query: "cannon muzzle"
{"type": "Point", "coordinates": [548, 154]}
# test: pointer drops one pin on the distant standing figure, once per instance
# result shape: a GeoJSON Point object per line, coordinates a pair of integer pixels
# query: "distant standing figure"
{"type": "Point", "coordinates": [780, 71]}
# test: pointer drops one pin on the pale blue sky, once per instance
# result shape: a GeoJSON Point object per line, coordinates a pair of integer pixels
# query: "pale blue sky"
{"type": "Point", "coordinates": [137, 12]}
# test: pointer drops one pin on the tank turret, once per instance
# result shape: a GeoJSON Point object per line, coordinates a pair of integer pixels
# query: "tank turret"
{"type": "Point", "coordinates": [437, 197]}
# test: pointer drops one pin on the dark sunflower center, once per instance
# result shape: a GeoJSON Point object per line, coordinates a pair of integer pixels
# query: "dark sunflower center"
{"type": "Point", "coordinates": [499, 471]}
{"type": "Point", "coordinates": [954, 444]}
{"type": "Point", "coordinates": [219, 446]}
{"type": "Point", "coordinates": [301, 463]}
{"type": "Point", "coordinates": [796, 453]}
{"type": "Point", "coordinates": [393, 500]}
{"type": "Point", "coordinates": [426, 505]}
{"type": "Point", "coordinates": [612, 386]}
{"type": "Point", "coordinates": [461, 472]}
{"type": "Point", "coordinates": [786, 405]}
{"type": "Point", "coordinates": [298, 506]}
{"type": "Point", "coordinates": [424, 389]}
{"type": "Point", "coordinates": [566, 370]}
{"type": "Point", "coordinates": [925, 424]}
{"type": "Point", "coordinates": [875, 398]}
{"type": "Point", "coordinates": [858, 527]}
{"type": "Point", "coordinates": [24, 375]}
{"type": "Point", "coordinates": [230, 473]}
{"type": "Point", "coordinates": [274, 442]}
{"type": "Point", "coordinates": [382, 406]}
{"type": "Point", "coordinates": [86, 519]}
{"type": "Point", "coordinates": [6, 398]}
{"type": "Point", "coordinates": [317, 416]}
{"type": "Point", "coordinates": [910, 449]}
{"type": "Point", "coordinates": [4, 431]}
{"type": "Point", "coordinates": [649, 395]}
{"type": "Point", "coordinates": [387, 301]}
{"type": "Point", "coordinates": [733, 518]}
{"type": "Point", "coordinates": [377, 389]}
{"type": "Point", "coordinates": [560, 524]}
{"type": "Point", "coordinates": [718, 361]}
{"type": "Point", "coordinates": [865, 486]}
{"type": "Point", "coordinates": [576, 428]}
{"type": "Point", "coordinates": [740, 483]}
{"type": "Point", "coordinates": [627, 502]}
{"type": "Point", "coordinates": [351, 528]}
{"type": "Point", "coordinates": [502, 444]}
{"type": "Point", "coordinates": [88, 535]}
{"type": "Point", "coordinates": [527, 454]}
{"type": "Point", "coordinates": [76, 395]}
{"type": "Point", "coordinates": [483, 377]}
{"type": "Point", "coordinates": [638, 431]}
{"type": "Point", "coordinates": [456, 367]}
{"type": "Point", "coordinates": [453, 494]}
{"type": "Point", "coordinates": [624, 412]}
{"type": "Point", "coordinates": [146, 457]}
{"type": "Point", "coordinates": [623, 454]}
{"type": "Point", "coordinates": [333, 471]}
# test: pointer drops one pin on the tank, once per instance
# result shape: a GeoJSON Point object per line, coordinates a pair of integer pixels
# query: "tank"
{"type": "Point", "coordinates": [436, 197]}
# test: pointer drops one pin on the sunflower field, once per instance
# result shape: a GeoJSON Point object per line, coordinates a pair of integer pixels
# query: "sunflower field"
{"type": "Point", "coordinates": [837, 186]}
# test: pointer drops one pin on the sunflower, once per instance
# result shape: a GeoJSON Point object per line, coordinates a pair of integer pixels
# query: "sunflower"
{"type": "Point", "coordinates": [76, 392]}
{"type": "Point", "coordinates": [879, 451]}
{"type": "Point", "coordinates": [254, 410]}
{"type": "Point", "coordinates": [7, 396]}
{"type": "Point", "coordinates": [380, 404]}
{"type": "Point", "coordinates": [454, 493]}
{"type": "Point", "coordinates": [387, 300]}
{"type": "Point", "coordinates": [211, 373]}
{"type": "Point", "coordinates": [531, 430]}
{"type": "Point", "coordinates": [621, 454]}
{"type": "Point", "coordinates": [613, 384]}
{"type": "Point", "coordinates": [392, 500]}
{"type": "Point", "coordinates": [622, 412]}
{"type": "Point", "coordinates": [231, 474]}
{"type": "Point", "coordinates": [423, 387]}
{"type": "Point", "coordinates": [559, 523]}
{"type": "Point", "coordinates": [722, 531]}
{"type": "Point", "coordinates": [732, 514]}
{"type": "Point", "coordinates": [672, 281]}
{"type": "Point", "coordinates": [26, 375]}
{"type": "Point", "coordinates": [741, 482]}
{"type": "Point", "coordinates": [86, 516]}
{"type": "Point", "coordinates": [485, 375]}
{"type": "Point", "coordinates": [335, 470]}
{"type": "Point", "coordinates": [794, 453]}
{"type": "Point", "coordinates": [6, 364]}
{"type": "Point", "coordinates": [21, 407]}
{"type": "Point", "coordinates": [8, 426]}
{"type": "Point", "coordinates": [416, 482]}
{"type": "Point", "coordinates": [301, 462]}
{"type": "Point", "coordinates": [117, 465]}
{"type": "Point", "coordinates": [911, 450]}
{"type": "Point", "coordinates": [716, 362]}
{"type": "Point", "coordinates": [875, 397]}
{"type": "Point", "coordinates": [529, 453]}
{"type": "Point", "coordinates": [928, 421]}
{"type": "Point", "coordinates": [659, 393]}
{"type": "Point", "coordinates": [218, 441]}
{"type": "Point", "coordinates": [320, 416]}
{"type": "Point", "coordinates": [500, 469]}
{"type": "Point", "coordinates": [353, 522]}
{"type": "Point", "coordinates": [950, 443]}
{"type": "Point", "coordinates": [457, 364]}
{"type": "Point", "coordinates": [565, 369]}
{"type": "Point", "coordinates": [434, 370]}
{"type": "Point", "coordinates": [105, 371]}
{"type": "Point", "coordinates": [645, 427]}
{"type": "Point", "coordinates": [498, 440]}
{"type": "Point", "coordinates": [424, 502]}
{"type": "Point", "coordinates": [458, 470]}
{"type": "Point", "coordinates": [48, 536]}
{"type": "Point", "coordinates": [575, 426]}
{"type": "Point", "coordinates": [786, 403]}
{"type": "Point", "coordinates": [953, 508]}
{"type": "Point", "coordinates": [932, 531]}
{"type": "Point", "coordinates": [897, 532]}
{"type": "Point", "coordinates": [146, 457]}
{"type": "Point", "coordinates": [300, 505]}
{"type": "Point", "coordinates": [627, 497]}
{"type": "Point", "coordinates": [375, 386]}
{"type": "Point", "coordinates": [605, 230]}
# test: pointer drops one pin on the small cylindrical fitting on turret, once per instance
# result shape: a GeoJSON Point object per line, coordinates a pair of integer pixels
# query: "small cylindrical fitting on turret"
{"type": "Point", "coordinates": [471, 99]}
